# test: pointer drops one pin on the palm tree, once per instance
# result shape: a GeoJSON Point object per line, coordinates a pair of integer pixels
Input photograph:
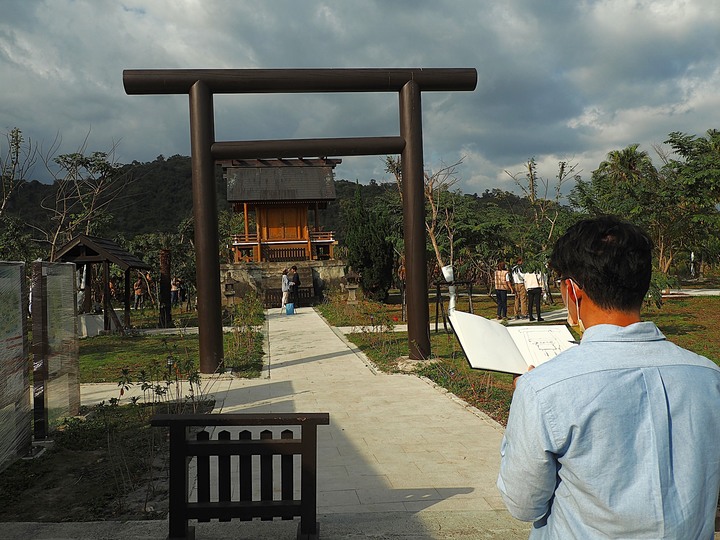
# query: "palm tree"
{"type": "Point", "coordinates": [627, 166]}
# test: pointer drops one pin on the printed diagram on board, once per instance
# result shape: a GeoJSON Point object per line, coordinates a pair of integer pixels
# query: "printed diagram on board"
{"type": "Point", "coordinates": [540, 344]}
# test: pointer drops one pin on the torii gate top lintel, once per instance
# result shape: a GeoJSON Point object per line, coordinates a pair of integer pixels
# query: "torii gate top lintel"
{"type": "Point", "coordinates": [249, 81]}
{"type": "Point", "coordinates": [201, 84]}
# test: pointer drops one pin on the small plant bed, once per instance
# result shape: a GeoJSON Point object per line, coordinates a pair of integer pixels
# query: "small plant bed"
{"type": "Point", "coordinates": [106, 464]}
{"type": "Point", "coordinates": [338, 312]}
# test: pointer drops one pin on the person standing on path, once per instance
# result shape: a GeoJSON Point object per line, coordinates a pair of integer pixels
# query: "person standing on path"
{"type": "Point", "coordinates": [617, 437]}
{"type": "Point", "coordinates": [502, 286]}
{"type": "Point", "coordinates": [295, 288]}
{"type": "Point", "coordinates": [534, 288]}
{"type": "Point", "coordinates": [174, 291]}
{"type": "Point", "coordinates": [520, 306]}
{"type": "Point", "coordinates": [139, 291]}
{"type": "Point", "coordinates": [285, 288]}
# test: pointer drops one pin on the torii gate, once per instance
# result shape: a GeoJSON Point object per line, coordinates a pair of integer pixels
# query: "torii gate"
{"type": "Point", "coordinates": [202, 84]}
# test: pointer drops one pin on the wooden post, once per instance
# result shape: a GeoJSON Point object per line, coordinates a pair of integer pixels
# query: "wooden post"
{"type": "Point", "coordinates": [107, 303]}
{"type": "Point", "coordinates": [245, 218]}
{"type": "Point", "coordinates": [40, 349]}
{"type": "Point", "coordinates": [202, 134]}
{"type": "Point", "coordinates": [258, 220]}
{"type": "Point", "coordinates": [414, 222]}
{"type": "Point", "coordinates": [127, 298]}
{"type": "Point", "coordinates": [165, 277]}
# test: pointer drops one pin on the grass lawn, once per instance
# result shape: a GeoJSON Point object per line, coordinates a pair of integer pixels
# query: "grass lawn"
{"type": "Point", "coordinates": [158, 357]}
{"type": "Point", "coordinates": [150, 317]}
{"type": "Point", "coordinates": [367, 312]}
{"type": "Point", "coordinates": [691, 322]}
{"type": "Point", "coordinates": [102, 358]}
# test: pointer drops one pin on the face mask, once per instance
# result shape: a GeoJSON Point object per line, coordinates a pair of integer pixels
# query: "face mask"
{"type": "Point", "coordinates": [570, 321]}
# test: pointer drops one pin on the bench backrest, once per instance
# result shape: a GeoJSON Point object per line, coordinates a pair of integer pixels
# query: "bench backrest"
{"type": "Point", "coordinates": [248, 505]}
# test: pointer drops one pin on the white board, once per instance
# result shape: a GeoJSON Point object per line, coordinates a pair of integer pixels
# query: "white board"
{"type": "Point", "coordinates": [490, 345]}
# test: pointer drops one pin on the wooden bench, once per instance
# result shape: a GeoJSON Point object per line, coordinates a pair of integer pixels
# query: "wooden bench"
{"type": "Point", "coordinates": [184, 447]}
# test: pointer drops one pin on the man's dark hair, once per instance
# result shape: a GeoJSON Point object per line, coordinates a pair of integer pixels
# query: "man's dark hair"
{"type": "Point", "coordinates": [610, 259]}
{"type": "Point", "coordinates": [294, 267]}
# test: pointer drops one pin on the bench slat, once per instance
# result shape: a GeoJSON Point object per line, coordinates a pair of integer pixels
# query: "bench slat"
{"type": "Point", "coordinates": [240, 419]}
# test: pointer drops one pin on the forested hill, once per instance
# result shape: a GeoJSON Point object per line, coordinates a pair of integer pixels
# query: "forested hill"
{"type": "Point", "coordinates": [159, 198]}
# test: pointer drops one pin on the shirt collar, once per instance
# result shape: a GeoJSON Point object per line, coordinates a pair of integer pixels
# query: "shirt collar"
{"type": "Point", "coordinates": [640, 331]}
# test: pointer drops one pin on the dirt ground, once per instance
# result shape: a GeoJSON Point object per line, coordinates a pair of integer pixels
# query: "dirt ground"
{"type": "Point", "coordinates": [68, 485]}
{"type": "Point", "coordinates": [109, 464]}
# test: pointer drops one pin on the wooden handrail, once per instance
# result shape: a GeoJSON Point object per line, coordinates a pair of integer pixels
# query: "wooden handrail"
{"type": "Point", "coordinates": [321, 235]}
{"type": "Point", "coordinates": [244, 238]}
{"type": "Point", "coordinates": [253, 238]}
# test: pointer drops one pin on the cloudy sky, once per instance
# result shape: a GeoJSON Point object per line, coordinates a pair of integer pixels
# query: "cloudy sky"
{"type": "Point", "coordinates": [557, 79]}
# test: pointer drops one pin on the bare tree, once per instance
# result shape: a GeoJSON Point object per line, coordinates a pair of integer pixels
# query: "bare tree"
{"type": "Point", "coordinates": [437, 191]}
{"type": "Point", "coordinates": [85, 186]}
{"type": "Point", "coordinates": [439, 219]}
{"type": "Point", "coordinates": [545, 208]}
{"type": "Point", "coordinates": [15, 165]}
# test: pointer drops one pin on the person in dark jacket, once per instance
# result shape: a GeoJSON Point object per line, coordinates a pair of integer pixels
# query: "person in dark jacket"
{"type": "Point", "coordinates": [295, 286]}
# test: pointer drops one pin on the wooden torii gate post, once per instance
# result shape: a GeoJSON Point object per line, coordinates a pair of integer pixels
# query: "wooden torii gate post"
{"type": "Point", "coordinates": [202, 84]}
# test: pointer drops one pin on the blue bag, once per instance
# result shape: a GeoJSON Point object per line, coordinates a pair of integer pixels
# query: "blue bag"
{"type": "Point", "coordinates": [290, 309]}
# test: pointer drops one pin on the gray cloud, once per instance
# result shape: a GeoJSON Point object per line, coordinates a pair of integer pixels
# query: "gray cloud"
{"type": "Point", "coordinates": [566, 79]}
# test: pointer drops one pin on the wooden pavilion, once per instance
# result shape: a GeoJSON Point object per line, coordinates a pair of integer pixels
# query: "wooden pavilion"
{"type": "Point", "coordinates": [83, 250]}
{"type": "Point", "coordinates": [277, 195]}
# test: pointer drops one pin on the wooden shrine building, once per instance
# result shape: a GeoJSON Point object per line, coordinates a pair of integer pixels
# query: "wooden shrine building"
{"type": "Point", "coordinates": [276, 198]}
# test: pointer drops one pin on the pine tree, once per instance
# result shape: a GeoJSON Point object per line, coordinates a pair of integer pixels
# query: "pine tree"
{"type": "Point", "coordinates": [370, 253]}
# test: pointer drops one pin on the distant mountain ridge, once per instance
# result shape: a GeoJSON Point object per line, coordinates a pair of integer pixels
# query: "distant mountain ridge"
{"type": "Point", "coordinates": [160, 197]}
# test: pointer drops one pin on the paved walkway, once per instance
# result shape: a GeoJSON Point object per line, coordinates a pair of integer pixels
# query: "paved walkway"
{"type": "Point", "coordinates": [401, 458]}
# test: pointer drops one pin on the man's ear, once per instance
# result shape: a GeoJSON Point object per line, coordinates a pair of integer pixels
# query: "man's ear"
{"type": "Point", "coordinates": [575, 293]}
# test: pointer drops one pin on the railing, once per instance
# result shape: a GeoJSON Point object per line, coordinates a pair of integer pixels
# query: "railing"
{"type": "Point", "coordinates": [317, 236]}
{"type": "Point", "coordinates": [279, 254]}
{"type": "Point", "coordinates": [245, 508]}
{"type": "Point", "coordinates": [319, 247]}
{"type": "Point", "coordinates": [250, 238]}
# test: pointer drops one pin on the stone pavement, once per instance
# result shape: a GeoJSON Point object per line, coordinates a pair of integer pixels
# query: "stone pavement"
{"type": "Point", "coordinates": [396, 443]}
{"type": "Point", "coordinates": [401, 458]}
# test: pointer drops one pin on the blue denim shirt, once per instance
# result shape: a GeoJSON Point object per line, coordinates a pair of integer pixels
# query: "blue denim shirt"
{"type": "Point", "coordinates": [616, 438]}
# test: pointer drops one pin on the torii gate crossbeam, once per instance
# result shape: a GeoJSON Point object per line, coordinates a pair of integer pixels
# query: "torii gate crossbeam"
{"type": "Point", "coordinates": [201, 84]}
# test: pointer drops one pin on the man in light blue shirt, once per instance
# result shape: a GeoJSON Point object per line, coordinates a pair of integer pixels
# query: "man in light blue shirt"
{"type": "Point", "coordinates": [620, 436]}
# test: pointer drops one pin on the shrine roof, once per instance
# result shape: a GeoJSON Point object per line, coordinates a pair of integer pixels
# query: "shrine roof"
{"type": "Point", "coordinates": [280, 180]}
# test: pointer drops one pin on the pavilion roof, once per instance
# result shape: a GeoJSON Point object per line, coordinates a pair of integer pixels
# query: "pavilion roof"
{"type": "Point", "coordinates": [90, 249]}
